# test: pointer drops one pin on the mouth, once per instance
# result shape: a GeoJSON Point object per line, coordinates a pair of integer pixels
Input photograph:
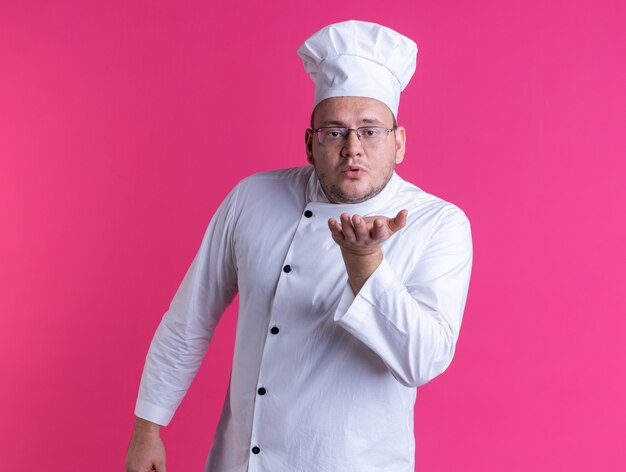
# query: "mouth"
{"type": "Point", "coordinates": [353, 172]}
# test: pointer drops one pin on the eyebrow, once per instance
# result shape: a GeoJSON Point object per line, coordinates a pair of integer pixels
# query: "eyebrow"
{"type": "Point", "coordinates": [341, 124]}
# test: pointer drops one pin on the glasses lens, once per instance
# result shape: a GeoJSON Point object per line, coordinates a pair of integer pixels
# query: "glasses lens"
{"type": "Point", "coordinates": [331, 135]}
{"type": "Point", "coordinates": [372, 135]}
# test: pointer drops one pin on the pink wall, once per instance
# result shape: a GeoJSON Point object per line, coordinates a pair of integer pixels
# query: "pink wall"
{"type": "Point", "coordinates": [123, 124]}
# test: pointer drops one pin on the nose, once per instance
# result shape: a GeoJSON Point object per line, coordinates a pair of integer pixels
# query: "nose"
{"type": "Point", "coordinates": [351, 145]}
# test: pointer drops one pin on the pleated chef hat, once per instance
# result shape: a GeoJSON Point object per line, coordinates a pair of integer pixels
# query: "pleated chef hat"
{"type": "Point", "coordinates": [359, 59]}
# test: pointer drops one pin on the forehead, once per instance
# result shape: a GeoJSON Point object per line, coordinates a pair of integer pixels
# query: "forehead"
{"type": "Point", "coordinates": [351, 111]}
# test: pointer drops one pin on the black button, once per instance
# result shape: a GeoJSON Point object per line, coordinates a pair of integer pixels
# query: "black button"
{"type": "Point", "coordinates": [261, 391]}
{"type": "Point", "coordinates": [287, 268]}
{"type": "Point", "coordinates": [255, 450]}
{"type": "Point", "coordinates": [274, 330]}
{"type": "Point", "coordinates": [308, 213]}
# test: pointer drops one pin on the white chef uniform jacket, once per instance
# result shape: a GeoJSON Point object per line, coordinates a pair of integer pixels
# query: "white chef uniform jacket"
{"type": "Point", "coordinates": [322, 380]}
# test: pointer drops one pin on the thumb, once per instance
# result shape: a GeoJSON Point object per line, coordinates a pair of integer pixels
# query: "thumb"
{"type": "Point", "coordinates": [399, 221]}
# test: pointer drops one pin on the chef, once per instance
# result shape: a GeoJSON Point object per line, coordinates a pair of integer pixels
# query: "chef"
{"type": "Point", "coordinates": [351, 281]}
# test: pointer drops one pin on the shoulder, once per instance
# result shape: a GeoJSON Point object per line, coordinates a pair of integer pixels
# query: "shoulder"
{"type": "Point", "coordinates": [428, 206]}
{"type": "Point", "coordinates": [292, 174]}
{"type": "Point", "coordinates": [276, 180]}
{"type": "Point", "coordinates": [276, 190]}
{"type": "Point", "coordinates": [433, 221]}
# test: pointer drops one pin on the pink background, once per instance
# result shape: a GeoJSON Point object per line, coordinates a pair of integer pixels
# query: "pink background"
{"type": "Point", "coordinates": [124, 124]}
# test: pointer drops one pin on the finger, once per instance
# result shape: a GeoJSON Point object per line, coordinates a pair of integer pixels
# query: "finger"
{"type": "Point", "coordinates": [360, 228]}
{"type": "Point", "coordinates": [347, 228]}
{"type": "Point", "coordinates": [378, 229]}
{"type": "Point", "coordinates": [335, 228]}
{"type": "Point", "coordinates": [399, 221]}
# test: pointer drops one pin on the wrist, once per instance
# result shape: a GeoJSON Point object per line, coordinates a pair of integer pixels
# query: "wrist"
{"type": "Point", "coordinates": [362, 257]}
{"type": "Point", "coordinates": [360, 266]}
{"type": "Point", "coordinates": [145, 427]}
{"type": "Point", "coordinates": [362, 253]}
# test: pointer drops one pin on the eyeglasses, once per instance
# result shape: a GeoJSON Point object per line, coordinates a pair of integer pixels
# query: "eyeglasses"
{"type": "Point", "coordinates": [368, 135]}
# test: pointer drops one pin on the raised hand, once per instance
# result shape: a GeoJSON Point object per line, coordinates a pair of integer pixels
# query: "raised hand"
{"type": "Point", "coordinates": [361, 235]}
{"type": "Point", "coordinates": [360, 238]}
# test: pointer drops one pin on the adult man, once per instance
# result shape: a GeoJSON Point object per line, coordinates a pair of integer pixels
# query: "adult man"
{"type": "Point", "coordinates": [340, 318]}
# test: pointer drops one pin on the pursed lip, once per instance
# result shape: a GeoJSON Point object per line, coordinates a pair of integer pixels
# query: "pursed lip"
{"type": "Point", "coordinates": [353, 171]}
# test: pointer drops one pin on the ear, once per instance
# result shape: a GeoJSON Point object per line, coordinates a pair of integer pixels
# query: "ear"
{"type": "Point", "coordinates": [308, 142]}
{"type": "Point", "coordinates": [400, 134]}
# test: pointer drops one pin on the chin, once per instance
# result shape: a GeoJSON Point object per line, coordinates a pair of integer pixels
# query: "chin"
{"type": "Point", "coordinates": [352, 196]}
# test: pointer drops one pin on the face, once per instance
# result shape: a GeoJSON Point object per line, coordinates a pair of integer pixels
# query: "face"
{"type": "Point", "coordinates": [348, 171]}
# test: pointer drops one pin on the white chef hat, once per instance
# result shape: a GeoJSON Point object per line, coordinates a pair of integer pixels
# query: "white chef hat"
{"type": "Point", "coordinates": [359, 59]}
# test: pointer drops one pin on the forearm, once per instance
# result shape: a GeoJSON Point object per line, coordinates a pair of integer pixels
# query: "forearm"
{"type": "Point", "coordinates": [360, 267]}
{"type": "Point", "coordinates": [415, 341]}
{"type": "Point", "coordinates": [171, 364]}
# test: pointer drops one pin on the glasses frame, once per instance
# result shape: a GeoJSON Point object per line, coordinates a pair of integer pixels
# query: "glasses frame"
{"type": "Point", "coordinates": [346, 133]}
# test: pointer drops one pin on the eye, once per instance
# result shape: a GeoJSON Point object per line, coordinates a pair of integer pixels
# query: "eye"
{"type": "Point", "coordinates": [370, 132]}
{"type": "Point", "coordinates": [333, 133]}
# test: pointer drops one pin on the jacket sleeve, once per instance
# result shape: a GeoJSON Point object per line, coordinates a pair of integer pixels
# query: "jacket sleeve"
{"type": "Point", "coordinates": [183, 336]}
{"type": "Point", "coordinates": [412, 321]}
